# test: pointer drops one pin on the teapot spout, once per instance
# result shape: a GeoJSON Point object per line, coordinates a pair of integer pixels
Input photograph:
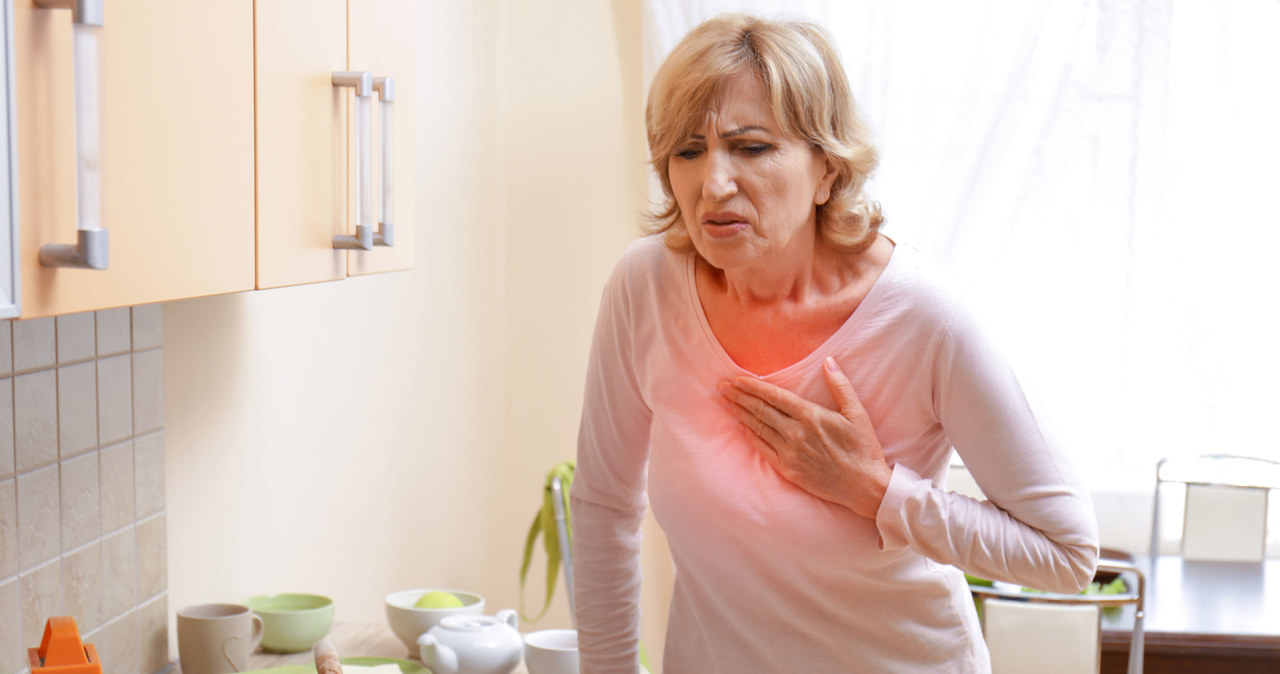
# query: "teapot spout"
{"type": "Point", "coordinates": [440, 659]}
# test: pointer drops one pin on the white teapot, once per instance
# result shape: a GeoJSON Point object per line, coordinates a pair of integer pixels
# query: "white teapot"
{"type": "Point", "coordinates": [473, 644]}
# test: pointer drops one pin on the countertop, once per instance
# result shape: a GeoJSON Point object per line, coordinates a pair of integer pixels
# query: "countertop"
{"type": "Point", "coordinates": [350, 640]}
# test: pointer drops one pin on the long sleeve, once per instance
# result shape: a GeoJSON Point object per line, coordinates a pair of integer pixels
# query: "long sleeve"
{"type": "Point", "coordinates": [1038, 529]}
{"type": "Point", "coordinates": [608, 498]}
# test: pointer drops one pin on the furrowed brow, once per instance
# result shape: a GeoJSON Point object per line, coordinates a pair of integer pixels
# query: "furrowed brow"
{"type": "Point", "coordinates": [733, 132]}
{"type": "Point", "coordinates": [741, 130]}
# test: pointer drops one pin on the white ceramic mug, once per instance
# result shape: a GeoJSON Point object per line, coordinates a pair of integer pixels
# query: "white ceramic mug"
{"type": "Point", "coordinates": [551, 652]}
{"type": "Point", "coordinates": [217, 638]}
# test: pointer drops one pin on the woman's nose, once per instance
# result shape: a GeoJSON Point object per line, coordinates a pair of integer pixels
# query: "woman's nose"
{"type": "Point", "coordinates": [718, 184]}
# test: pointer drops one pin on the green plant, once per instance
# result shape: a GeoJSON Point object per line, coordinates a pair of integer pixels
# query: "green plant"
{"type": "Point", "coordinates": [544, 524]}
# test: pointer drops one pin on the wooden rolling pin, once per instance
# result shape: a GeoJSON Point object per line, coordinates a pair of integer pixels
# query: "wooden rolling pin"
{"type": "Point", "coordinates": [327, 658]}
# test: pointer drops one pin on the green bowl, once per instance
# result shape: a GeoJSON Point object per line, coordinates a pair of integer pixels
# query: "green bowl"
{"type": "Point", "coordinates": [292, 623]}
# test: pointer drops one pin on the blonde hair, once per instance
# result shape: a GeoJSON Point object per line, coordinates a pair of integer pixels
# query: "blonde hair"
{"type": "Point", "coordinates": [810, 97]}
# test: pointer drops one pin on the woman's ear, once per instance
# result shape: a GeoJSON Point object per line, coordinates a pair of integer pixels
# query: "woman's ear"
{"type": "Point", "coordinates": [823, 194]}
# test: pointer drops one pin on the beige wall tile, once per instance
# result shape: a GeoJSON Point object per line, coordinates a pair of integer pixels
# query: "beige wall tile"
{"type": "Point", "coordinates": [81, 501]}
{"type": "Point", "coordinates": [82, 586]}
{"type": "Point", "coordinates": [119, 563]}
{"type": "Point", "coordinates": [34, 344]}
{"type": "Point", "coordinates": [117, 645]}
{"type": "Point", "coordinates": [148, 461]}
{"type": "Point", "coordinates": [77, 409]}
{"type": "Point", "coordinates": [35, 419]}
{"type": "Point", "coordinates": [64, 404]}
{"type": "Point", "coordinates": [153, 630]}
{"type": "Point", "coordinates": [39, 530]}
{"type": "Point", "coordinates": [114, 334]}
{"type": "Point", "coordinates": [147, 332]}
{"type": "Point", "coordinates": [115, 399]}
{"type": "Point", "coordinates": [8, 529]}
{"type": "Point", "coordinates": [76, 337]}
{"type": "Point", "coordinates": [117, 478]}
{"type": "Point", "coordinates": [6, 427]}
{"type": "Point", "coordinates": [148, 391]}
{"type": "Point", "coordinates": [6, 347]}
{"type": "Point", "coordinates": [13, 653]}
{"type": "Point", "coordinates": [41, 598]}
{"type": "Point", "coordinates": [153, 558]}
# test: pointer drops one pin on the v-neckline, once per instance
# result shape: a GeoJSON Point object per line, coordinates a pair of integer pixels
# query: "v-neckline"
{"type": "Point", "coordinates": [808, 360]}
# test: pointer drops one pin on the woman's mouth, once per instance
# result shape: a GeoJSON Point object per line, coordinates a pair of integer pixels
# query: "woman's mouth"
{"type": "Point", "coordinates": [720, 225]}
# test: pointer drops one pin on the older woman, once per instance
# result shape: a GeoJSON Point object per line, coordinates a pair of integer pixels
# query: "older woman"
{"type": "Point", "coordinates": [787, 384]}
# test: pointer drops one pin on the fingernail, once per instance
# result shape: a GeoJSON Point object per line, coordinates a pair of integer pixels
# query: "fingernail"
{"type": "Point", "coordinates": [831, 364]}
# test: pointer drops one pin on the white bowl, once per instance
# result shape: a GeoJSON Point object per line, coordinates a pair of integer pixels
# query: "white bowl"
{"type": "Point", "coordinates": [409, 623]}
{"type": "Point", "coordinates": [551, 652]}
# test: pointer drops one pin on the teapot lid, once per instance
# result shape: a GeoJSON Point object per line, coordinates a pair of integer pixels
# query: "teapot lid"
{"type": "Point", "coordinates": [470, 623]}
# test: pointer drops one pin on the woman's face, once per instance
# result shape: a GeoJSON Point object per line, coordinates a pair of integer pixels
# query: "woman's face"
{"type": "Point", "coordinates": [747, 192]}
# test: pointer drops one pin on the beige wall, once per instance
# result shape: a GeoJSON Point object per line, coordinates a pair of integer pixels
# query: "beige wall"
{"type": "Point", "coordinates": [576, 180]}
{"type": "Point", "coordinates": [375, 434]}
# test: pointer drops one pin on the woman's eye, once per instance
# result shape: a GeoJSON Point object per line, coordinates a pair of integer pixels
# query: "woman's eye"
{"type": "Point", "coordinates": [756, 149]}
{"type": "Point", "coordinates": [688, 153]}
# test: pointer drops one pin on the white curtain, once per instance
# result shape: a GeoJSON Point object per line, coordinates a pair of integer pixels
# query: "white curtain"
{"type": "Point", "coordinates": [1102, 174]}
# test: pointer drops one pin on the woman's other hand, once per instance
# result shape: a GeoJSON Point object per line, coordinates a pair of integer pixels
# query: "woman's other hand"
{"type": "Point", "coordinates": [832, 454]}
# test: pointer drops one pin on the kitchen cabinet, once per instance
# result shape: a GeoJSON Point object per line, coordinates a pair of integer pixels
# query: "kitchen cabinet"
{"type": "Point", "coordinates": [307, 154]}
{"type": "Point", "coordinates": [228, 156]}
{"type": "Point", "coordinates": [177, 152]}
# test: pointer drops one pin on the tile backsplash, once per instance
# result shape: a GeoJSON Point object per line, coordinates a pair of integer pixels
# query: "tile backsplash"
{"type": "Point", "coordinates": [82, 506]}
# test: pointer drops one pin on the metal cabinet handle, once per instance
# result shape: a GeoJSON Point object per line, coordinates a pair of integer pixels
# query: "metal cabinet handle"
{"type": "Point", "coordinates": [362, 82]}
{"type": "Point", "coordinates": [386, 88]}
{"type": "Point", "coordinates": [90, 249]}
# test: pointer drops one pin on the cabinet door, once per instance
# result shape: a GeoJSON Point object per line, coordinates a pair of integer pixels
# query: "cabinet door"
{"type": "Point", "coordinates": [306, 135]}
{"type": "Point", "coordinates": [177, 152]}
{"type": "Point", "coordinates": [303, 189]}
{"type": "Point", "coordinates": [382, 40]}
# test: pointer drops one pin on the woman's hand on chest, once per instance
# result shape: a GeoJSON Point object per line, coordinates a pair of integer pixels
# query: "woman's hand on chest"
{"type": "Point", "coordinates": [833, 454]}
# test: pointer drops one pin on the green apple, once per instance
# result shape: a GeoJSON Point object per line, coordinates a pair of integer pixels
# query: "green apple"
{"type": "Point", "coordinates": [438, 599]}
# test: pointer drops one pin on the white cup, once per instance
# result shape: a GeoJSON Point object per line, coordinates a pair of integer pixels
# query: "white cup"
{"type": "Point", "coordinates": [551, 652]}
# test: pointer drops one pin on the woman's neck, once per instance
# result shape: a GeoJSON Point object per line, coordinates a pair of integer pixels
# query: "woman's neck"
{"type": "Point", "coordinates": [804, 272]}
{"type": "Point", "coordinates": [765, 333]}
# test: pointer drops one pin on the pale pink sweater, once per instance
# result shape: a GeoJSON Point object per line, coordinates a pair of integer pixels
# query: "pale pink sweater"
{"type": "Point", "coordinates": [768, 577]}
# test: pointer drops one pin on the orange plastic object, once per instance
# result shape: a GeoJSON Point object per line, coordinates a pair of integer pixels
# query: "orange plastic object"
{"type": "Point", "coordinates": [62, 652]}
